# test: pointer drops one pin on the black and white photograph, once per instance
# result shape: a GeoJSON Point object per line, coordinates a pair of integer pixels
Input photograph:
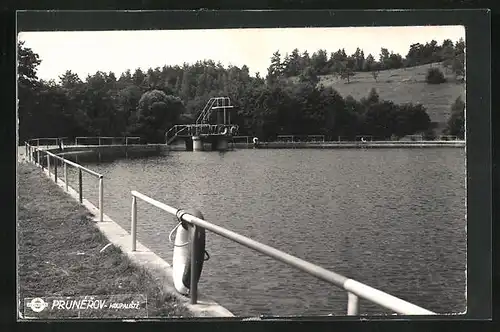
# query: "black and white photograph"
{"type": "Point", "coordinates": [243, 172]}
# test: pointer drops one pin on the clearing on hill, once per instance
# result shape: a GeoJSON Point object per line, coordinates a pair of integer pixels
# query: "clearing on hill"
{"type": "Point", "coordinates": [405, 85]}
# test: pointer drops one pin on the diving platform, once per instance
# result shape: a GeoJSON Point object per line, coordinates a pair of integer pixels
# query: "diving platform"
{"type": "Point", "coordinates": [213, 125]}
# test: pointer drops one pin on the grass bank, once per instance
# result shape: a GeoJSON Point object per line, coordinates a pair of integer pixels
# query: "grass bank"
{"type": "Point", "coordinates": [59, 251]}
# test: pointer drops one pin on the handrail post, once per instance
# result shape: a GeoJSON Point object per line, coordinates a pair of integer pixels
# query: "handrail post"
{"type": "Point", "coordinates": [48, 163]}
{"type": "Point", "coordinates": [55, 170]}
{"type": "Point", "coordinates": [66, 174]}
{"type": "Point", "coordinates": [80, 186]}
{"type": "Point", "coordinates": [193, 287]}
{"type": "Point", "coordinates": [352, 304]}
{"type": "Point", "coordinates": [101, 198]}
{"type": "Point", "coordinates": [133, 226]}
{"type": "Point", "coordinates": [38, 156]}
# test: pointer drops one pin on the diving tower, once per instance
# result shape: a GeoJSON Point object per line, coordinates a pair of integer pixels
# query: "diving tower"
{"type": "Point", "coordinates": [213, 125]}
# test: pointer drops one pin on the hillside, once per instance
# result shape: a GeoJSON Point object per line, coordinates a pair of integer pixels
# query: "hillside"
{"type": "Point", "coordinates": [404, 86]}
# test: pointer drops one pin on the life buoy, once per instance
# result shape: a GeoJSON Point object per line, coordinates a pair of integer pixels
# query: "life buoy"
{"type": "Point", "coordinates": [255, 140]}
{"type": "Point", "coordinates": [234, 130]}
{"type": "Point", "coordinates": [181, 260]}
{"type": "Point", "coordinates": [224, 130]}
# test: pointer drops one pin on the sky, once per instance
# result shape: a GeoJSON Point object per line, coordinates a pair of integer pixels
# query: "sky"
{"type": "Point", "coordinates": [85, 52]}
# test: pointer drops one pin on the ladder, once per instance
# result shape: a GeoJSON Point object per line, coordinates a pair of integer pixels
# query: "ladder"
{"type": "Point", "coordinates": [176, 130]}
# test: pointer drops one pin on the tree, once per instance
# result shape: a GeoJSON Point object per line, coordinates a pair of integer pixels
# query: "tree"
{"type": "Point", "coordinates": [395, 61]}
{"type": "Point", "coordinates": [434, 52]}
{"type": "Point", "coordinates": [380, 119]}
{"type": "Point", "coordinates": [384, 58]}
{"type": "Point", "coordinates": [337, 61]}
{"type": "Point", "coordinates": [359, 59]}
{"type": "Point", "coordinates": [447, 53]}
{"type": "Point", "coordinates": [275, 70]}
{"type": "Point", "coordinates": [319, 62]}
{"type": "Point", "coordinates": [139, 77]}
{"type": "Point", "coordinates": [375, 70]}
{"type": "Point", "coordinates": [305, 61]}
{"type": "Point", "coordinates": [458, 65]}
{"type": "Point", "coordinates": [411, 119]}
{"type": "Point", "coordinates": [309, 76]}
{"type": "Point", "coordinates": [28, 61]}
{"type": "Point", "coordinates": [368, 63]}
{"type": "Point", "coordinates": [29, 120]}
{"type": "Point", "coordinates": [156, 113]}
{"type": "Point", "coordinates": [434, 76]}
{"type": "Point", "coordinates": [415, 55]}
{"type": "Point", "coordinates": [348, 69]}
{"type": "Point", "coordinates": [373, 98]}
{"type": "Point", "coordinates": [69, 80]}
{"type": "Point", "coordinates": [456, 122]}
{"type": "Point", "coordinates": [293, 67]}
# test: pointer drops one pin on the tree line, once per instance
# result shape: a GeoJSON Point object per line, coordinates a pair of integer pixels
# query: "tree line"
{"type": "Point", "coordinates": [147, 103]}
{"type": "Point", "coordinates": [338, 63]}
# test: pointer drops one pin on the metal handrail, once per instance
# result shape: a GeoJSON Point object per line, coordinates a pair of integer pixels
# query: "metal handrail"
{"type": "Point", "coordinates": [107, 137]}
{"type": "Point", "coordinates": [30, 150]}
{"type": "Point", "coordinates": [37, 140]}
{"type": "Point", "coordinates": [353, 288]}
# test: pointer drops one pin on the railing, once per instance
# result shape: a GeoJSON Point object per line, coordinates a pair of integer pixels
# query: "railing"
{"type": "Point", "coordinates": [245, 139]}
{"type": "Point", "coordinates": [32, 150]}
{"type": "Point", "coordinates": [220, 102]}
{"type": "Point", "coordinates": [177, 129]}
{"type": "Point", "coordinates": [208, 107]}
{"type": "Point", "coordinates": [47, 140]}
{"type": "Point", "coordinates": [354, 289]}
{"type": "Point", "coordinates": [300, 138]}
{"type": "Point", "coordinates": [448, 138]}
{"type": "Point", "coordinates": [100, 139]}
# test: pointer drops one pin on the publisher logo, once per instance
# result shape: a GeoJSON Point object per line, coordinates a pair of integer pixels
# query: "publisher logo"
{"type": "Point", "coordinates": [37, 304]}
{"type": "Point", "coordinates": [101, 306]}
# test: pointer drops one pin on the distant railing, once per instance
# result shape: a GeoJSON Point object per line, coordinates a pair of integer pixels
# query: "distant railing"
{"type": "Point", "coordinates": [242, 139]}
{"type": "Point", "coordinates": [353, 288]}
{"type": "Point", "coordinates": [84, 140]}
{"type": "Point", "coordinates": [300, 138]}
{"type": "Point", "coordinates": [448, 138]}
{"type": "Point", "coordinates": [46, 141]}
{"type": "Point", "coordinates": [100, 140]}
{"type": "Point", "coordinates": [32, 151]}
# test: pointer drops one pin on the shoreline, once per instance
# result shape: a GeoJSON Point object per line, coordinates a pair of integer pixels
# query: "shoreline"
{"type": "Point", "coordinates": [359, 145]}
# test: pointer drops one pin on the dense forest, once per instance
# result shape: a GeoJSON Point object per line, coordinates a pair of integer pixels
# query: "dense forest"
{"type": "Point", "coordinates": [147, 103]}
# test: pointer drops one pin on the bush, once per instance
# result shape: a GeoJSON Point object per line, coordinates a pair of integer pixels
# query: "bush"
{"type": "Point", "coordinates": [435, 76]}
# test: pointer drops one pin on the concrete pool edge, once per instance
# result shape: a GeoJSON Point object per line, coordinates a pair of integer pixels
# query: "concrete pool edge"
{"type": "Point", "coordinates": [144, 258]}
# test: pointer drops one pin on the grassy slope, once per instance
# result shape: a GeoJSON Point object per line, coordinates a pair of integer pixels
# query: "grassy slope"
{"type": "Point", "coordinates": [403, 86]}
{"type": "Point", "coordinates": [52, 230]}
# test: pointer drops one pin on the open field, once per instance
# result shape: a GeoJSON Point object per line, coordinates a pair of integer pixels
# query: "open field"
{"type": "Point", "coordinates": [406, 85]}
{"type": "Point", "coordinates": [59, 251]}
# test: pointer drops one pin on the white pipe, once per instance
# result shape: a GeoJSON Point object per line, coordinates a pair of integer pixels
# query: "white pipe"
{"type": "Point", "coordinates": [101, 199]}
{"type": "Point", "coordinates": [133, 228]}
{"type": "Point", "coordinates": [378, 297]}
{"type": "Point", "coordinates": [352, 304]}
